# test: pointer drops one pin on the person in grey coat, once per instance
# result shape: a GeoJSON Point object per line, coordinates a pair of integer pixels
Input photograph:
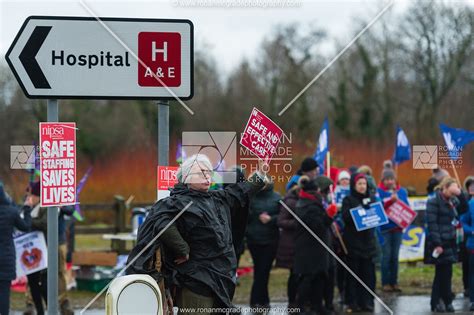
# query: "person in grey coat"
{"type": "Point", "coordinates": [9, 219]}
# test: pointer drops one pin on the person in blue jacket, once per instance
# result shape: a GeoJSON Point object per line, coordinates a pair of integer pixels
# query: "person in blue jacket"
{"type": "Point", "coordinates": [389, 192]}
{"type": "Point", "coordinates": [9, 219]}
{"type": "Point", "coordinates": [467, 221]}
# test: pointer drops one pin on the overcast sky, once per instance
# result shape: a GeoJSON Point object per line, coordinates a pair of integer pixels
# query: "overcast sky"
{"type": "Point", "coordinates": [231, 33]}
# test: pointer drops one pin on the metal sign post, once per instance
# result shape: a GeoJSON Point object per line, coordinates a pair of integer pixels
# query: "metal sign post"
{"type": "Point", "coordinates": [53, 234]}
{"type": "Point", "coordinates": [163, 132]}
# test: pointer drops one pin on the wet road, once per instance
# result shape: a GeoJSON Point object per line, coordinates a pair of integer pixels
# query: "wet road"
{"type": "Point", "coordinates": [403, 305]}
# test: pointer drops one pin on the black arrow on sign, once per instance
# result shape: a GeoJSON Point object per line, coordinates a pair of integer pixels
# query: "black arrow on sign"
{"type": "Point", "coordinates": [28, 57]}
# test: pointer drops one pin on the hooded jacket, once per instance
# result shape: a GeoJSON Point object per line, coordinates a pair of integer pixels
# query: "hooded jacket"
{"type": "Point", "coordinates": [205, 226]}
{"type": "Point", "coordinates": [310, 256]}
{"type": "Point", "coordinates": [287, 224]}
{"type": "Point", "coordinates": [358, 243]}
{"type": "Point", "coordinates": [9, 219]}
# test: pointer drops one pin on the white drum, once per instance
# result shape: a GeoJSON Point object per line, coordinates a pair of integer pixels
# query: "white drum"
{"type": "Point", "coordinates": [133, 295]}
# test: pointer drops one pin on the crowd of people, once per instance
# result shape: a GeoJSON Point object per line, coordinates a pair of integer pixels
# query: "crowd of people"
{"type": "Point", "coordinates": [309, 231]}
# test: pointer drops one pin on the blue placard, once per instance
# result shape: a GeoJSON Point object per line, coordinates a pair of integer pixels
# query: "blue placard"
{"type": "Point", "coordinates": [341, 193]}
{"type": "Point", "coordinates": [369, 218]}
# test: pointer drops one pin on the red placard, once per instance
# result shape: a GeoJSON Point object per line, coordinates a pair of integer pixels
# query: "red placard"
{"type": "Point", "coordinates": [165, 179]}
{"type": "Point", "coordinates": [401, 214]}
{"type": "Point", "coordinates": [58, 164]}
{"type": "Point", "coordinates": [261, 135]}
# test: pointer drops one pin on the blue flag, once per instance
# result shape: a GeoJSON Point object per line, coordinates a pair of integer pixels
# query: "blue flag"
{"type": "Point", "coordinates": [402, 147]}
{"type": "Point", "coordinates": [323, 146]}
{"type": "Point", "coordinates": [455, 139]}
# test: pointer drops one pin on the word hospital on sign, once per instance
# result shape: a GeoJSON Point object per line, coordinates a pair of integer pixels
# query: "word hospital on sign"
{"type": "Point", "coordinates": [93, 60]}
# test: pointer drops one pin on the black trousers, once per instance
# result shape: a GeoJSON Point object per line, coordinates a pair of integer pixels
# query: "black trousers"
{"type": "Point", "coordinates": [292, 287]}
{"type": "Point", "coordinates": [328, 293]}
{"type": "Point", "coordinates": [355, 293]}
{"type": "Point", "coordinates": [465, 270]}
{"type": "Point", "coordinates": [4, 297]}
{"type": "Point", "coordinates": [442, 284]}
{"type": "Point", "coordinates": [311, 291]}
{"type": "Point", "coordinates": [341, 279]}
{"type": "Point", "coordinates": [262, 256]}
{"type": "Point", "coordinates": [38, 287]}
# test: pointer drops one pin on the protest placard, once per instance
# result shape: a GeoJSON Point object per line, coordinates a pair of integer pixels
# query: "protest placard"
{"type": "Point", "coordinates": [261, 136]}
{"type": "Point", "coordinates": [369, 218]}
{"type": "Point", "coordinates": [401, 214]}
{"type": "Point", "coordinates": [31, 253]}
{"type": "Point", "coordinates": [58, 164]}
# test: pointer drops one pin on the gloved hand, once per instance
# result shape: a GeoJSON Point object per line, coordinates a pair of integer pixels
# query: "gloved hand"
{"type": "Point", "coordinates": [331, 210]}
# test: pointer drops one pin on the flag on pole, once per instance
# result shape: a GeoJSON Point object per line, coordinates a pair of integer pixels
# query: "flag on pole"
{"type": "Point", "coordinates": [455, 139]}
{"type": "Point", "coordinates": [402, 147]}
{"type": "Point", "coordinates": [323, 146]}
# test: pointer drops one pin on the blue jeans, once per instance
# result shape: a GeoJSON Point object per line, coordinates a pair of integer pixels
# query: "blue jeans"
{"type": "Point", "coordinates": [390, 250]}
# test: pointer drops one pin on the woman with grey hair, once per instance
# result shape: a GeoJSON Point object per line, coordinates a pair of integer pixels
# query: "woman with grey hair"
{"type": "Point", "coordinates": [194, 257]}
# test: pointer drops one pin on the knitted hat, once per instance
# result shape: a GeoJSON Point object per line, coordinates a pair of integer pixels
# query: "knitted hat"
{"type": "Point", "coordinates": [343, 175]}
{"type": "Point", "coordinates": [307, 184]}
{"type": "Point", "coordinates": [308, 164]}
{"type": "Point", "coordinates": [365, 169]}
{"type": "Point", "coordinates": [323, 182]}
{"type": "Point", "coordinates": [388, 173]}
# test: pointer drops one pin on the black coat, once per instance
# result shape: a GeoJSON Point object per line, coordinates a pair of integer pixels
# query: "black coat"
{"type": "Point", "coordinates": [10, 219]}
{"type": "Point", "coordinates": [440, 230]}
{"type": "Point", "coordinates": [310, 256]}
{"type": "Point", "coordinates": [288, 225]}
{"type": "Point", "coordinates": [206, 227]}
{"type": "Point", "coordinates": [358, 243]}
{"type": "Point", "coordinates": [267, 201]}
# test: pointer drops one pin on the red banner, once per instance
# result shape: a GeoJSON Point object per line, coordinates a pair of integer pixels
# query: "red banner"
{"type": "Point", "coordinates": [261, 135]}
{"type": "Point", "coordinates": [401, 214]}
{"type": "Point", "coordinates": [58, 164]}
{"type": "Point", "coordinates": [165, 179]}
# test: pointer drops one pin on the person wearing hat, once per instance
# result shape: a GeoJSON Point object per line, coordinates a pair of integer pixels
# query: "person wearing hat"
{"type": "Point", "coordinates": [309, 167]}
{"type": "Point", "coordinates": [10, 218]}
{"type": "Point", "coordinates": [311, 210]}
{"type": "Point", "coordinates": [287, 224]}
{"type": "Point", "coordinates": [37, 281]}
{"type": "Point", "coordinates": [390, 192]}
{"type": "Point", "coordinates": [325, 183]}
{"type": "Point", "coordinates": [361, 247]}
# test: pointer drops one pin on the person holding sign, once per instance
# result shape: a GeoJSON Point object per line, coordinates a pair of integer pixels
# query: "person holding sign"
{"type": "Point", "coordinates": [361, 246]}
{"type": "Point", "coordinates": [37, 281]}
{"type": "Point", "coordinates": [390, 192]}
{"type": "Point", "coordinates": [312, 260]}
{"type": "Point", "coordinates": [194, 257]}
{"type": "Point", "coordinates": [9, 219]}
{"type": "Point", "coordinates": [441, 248]}
{"type": "Point", "coordinates": [262, 241]}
